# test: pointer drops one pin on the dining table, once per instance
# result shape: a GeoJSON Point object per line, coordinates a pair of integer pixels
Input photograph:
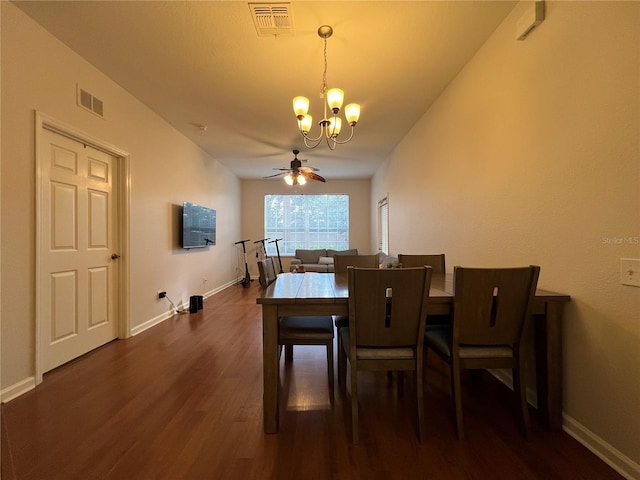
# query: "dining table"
{"type": "Point", "coordinates": [313, 293]}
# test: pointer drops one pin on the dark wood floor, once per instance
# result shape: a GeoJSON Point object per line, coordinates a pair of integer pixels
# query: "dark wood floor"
{"type": "Point", "coordinates": [183, 400]}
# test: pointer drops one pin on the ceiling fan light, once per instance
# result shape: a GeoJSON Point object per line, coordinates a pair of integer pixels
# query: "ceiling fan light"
{"type": "Point", "coordinates": [300, 107]}
{"type": "Point", "coordinates": [288, 179]}
{"type": "Point", "coordinates": [335, 125]}
{"type": "Point", "coordinates": [352, 113]}
{"type": "Point", "coordinates": [335, 97]}
{"type": "Point", "coordinates": [305, 123]}
{"type": "Point", "coordinates": [301, 179]}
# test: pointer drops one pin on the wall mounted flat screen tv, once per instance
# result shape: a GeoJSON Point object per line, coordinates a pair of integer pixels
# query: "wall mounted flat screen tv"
{"type": "Point", "coordinates": [198, 226]}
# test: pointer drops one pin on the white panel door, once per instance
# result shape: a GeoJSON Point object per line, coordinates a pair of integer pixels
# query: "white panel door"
{"type": "Point", "coordinates": [78, 276]}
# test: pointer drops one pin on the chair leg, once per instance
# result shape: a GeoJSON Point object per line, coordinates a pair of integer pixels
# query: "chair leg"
{"type": "Point", "coordinates": [330, 368]}
{"type": "Point", "coordinates": [288, 353]}
{"type": "Point", "coordinates": [354, 405]}
{"type": "Point", "coordinates": [420, 399]}
{"type": "Point", "coordinates": [520, 389]}
{"type": "Point", "coordinates": [457, 397]}
{"type": "Point", "coordinates": [400, 376]}
{"type": "Point", "coordinates": [342, 362]}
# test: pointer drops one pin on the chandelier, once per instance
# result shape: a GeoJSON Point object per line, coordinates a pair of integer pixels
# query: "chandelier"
{"type": "Point", "coordinates": [329, 127]}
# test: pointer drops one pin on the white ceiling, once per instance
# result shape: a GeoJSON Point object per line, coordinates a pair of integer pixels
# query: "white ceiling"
{"type": "Point", "coordinates": [202, 62]}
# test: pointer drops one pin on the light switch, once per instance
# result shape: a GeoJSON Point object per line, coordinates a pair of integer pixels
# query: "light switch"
{"type": "Point", "coordinates": [630, 271]}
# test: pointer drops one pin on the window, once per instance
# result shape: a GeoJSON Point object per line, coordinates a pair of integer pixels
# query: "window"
{"type": "Point", "coordinates": [383, 225]}
{"type": "Point", "coordinates": [306, 221]}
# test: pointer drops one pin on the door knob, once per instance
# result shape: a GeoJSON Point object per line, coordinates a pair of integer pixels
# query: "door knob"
{"type": "Point", "coordinates": [115, 256]}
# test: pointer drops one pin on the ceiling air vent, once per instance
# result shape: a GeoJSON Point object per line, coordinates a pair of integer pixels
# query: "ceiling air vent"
{"type": "Point", "coordinates": [272, 19]}
{"type": "Point", "coordinates": [89, 102]}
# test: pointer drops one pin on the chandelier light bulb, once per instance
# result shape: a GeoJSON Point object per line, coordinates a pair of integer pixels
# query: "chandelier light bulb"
{"type": "Point", "coordinates": [335, 97]}
{"type": "Point", "coordinates": [305, 123]}
{"type": "Point", "coordinates": [335, 125]}
{"type": "Point", "coordinates": [301, 180]}
{"type": "Point", "coordinates": [300, 107]}
{"type": "Point", "coordinates": [352, 113]}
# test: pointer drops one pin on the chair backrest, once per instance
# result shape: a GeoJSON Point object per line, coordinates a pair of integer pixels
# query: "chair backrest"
{"type": "Point", "coordinates": [436, 262]}
{"type": "Point", "coordinates": [388, 307]}
{"type": "Point", "coordinates": [267, 272]}
{"type": "Point", "coordinates": [341, 262]}
{"type": "Point", "coordinates": [492, 306]}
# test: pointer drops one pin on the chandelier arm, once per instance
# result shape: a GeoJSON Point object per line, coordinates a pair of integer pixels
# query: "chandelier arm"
{"type": "Point", "coordinates": [314, 142]}
{"type": "Point", "coordinates": [311, 139]}
{"type": "Point", "coordinates": [347, 140]}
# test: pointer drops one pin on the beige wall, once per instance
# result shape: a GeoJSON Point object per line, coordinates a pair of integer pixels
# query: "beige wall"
{"type": "Point", "coordinates": [532, 156]}
{"type": "Point", "coordinates": [253, 192]}
{"type": "Point", "coordinates": [40, 73]}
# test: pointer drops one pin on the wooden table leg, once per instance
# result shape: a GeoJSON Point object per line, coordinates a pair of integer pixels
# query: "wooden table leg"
{"type": "Point", "coordinates": [270, 367]}
{"type": "Point", "coordinates": [548, 352]}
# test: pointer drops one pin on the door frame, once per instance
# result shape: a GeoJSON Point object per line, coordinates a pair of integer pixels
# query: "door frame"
{"type": "Point", "coordinates": [122, 182]}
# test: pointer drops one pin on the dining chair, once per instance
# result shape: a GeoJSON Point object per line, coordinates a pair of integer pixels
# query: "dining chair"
{"type": "Point", "coordinates": [387, 308]}
{"type": "Point", "coordinates": [340, 264]}
{"type": "Point", "coordinates": [491, 313]}
{"type": "Point", "coordinates": [436, 262]}
{"type": "Point", "coordinates": [301, 330]}
{"type": "Point", "coordinates": [267, 272]}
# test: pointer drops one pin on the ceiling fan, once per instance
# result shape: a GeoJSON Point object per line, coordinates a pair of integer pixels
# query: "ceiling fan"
{"type": "Point", "coordinates": [296, 174]}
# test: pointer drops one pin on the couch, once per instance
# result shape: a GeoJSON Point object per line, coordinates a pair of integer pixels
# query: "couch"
{"type": "Point", "coordinates": [320, 260]}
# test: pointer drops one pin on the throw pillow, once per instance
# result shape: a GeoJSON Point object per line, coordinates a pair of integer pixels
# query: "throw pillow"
{"type": "Point", "coordinates": [325, 260]}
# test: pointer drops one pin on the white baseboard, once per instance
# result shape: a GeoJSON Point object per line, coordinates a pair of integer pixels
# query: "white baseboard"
{"type": "Point", "coordinates": [161, 318]}
{"type": "Point", "coordinates": [600, 448]}
{"type": "Point", "coordinates": [596, 445]}
{"type": "Point", "coordinates": [152, 322]}
{"type": "Point", "coordinates": [17, 389]}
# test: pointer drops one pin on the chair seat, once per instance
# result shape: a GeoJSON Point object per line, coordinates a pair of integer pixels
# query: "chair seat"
{"type": "Point", "coordinates": [438, 340]}
{"type": "Point", "coordinates": [382, 353]}
{"type": "Point", "coordinates": [292, 328]}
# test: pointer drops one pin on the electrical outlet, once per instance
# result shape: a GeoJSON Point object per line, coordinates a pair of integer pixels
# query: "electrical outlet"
{"type": "Point", "coordinates": [630, 271]}
{"type": "Point", "coordinates": [161, 294]}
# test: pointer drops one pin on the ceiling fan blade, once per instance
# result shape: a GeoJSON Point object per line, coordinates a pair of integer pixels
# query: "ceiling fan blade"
{"type": "Point", "coordinates": [313, 176]}
{"type": "Point", "coordinates": [283, 169]}
{"type": "Point", "coordinates": [276, 175]}
{"type": "Point", "coordinates": [307, 169]}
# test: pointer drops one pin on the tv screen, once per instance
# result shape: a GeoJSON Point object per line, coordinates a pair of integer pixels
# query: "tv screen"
{"type": "Point", "coordinates": [198, 226]}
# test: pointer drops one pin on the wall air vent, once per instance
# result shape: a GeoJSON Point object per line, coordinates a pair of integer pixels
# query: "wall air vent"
{"type": "Point", "coordinates": [90, 103]}
{"type": "Point", "coordinates": [272, 19]}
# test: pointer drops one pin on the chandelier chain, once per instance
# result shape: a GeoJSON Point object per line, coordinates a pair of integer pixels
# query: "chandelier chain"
{"type": "Point", "coordinates": [323, 87]}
